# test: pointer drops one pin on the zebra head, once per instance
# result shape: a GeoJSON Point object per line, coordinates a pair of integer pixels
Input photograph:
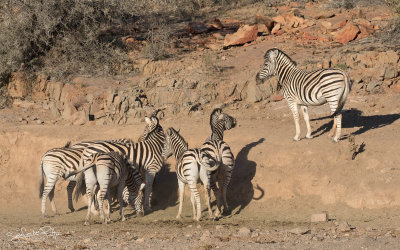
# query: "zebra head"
{"type": "Point", "coordinates": [229, 121]}
{"type": "Point", "coordinates": [151, 125]}
{"type": "Point", "coordinates": [269, 68]}
{"type": "Point", "coordinates": [174, 144]}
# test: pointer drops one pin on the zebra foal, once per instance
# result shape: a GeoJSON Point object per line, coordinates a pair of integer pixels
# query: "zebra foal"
{"type": "Point", "coordinates": [192, 166]}
{"type": "Point", "coordinates": [109, 169]}
{"type": "Point", "coordinates": [302, 88]}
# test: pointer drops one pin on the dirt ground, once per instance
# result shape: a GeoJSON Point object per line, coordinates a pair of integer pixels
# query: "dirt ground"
{"type": "Point", "coordinates": [289, 180]}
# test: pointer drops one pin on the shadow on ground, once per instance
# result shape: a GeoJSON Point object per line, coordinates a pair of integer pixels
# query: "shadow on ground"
{"type": "Point", "coordinates": [353, 118]}
{"type": "Point", "coordinates": [165, 189]}
{"type": "Point", "coordinates": [241, 190]}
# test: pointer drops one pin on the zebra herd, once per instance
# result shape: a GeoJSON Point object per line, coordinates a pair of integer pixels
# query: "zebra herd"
{"type": "Point", "coordinates": [102, 165]}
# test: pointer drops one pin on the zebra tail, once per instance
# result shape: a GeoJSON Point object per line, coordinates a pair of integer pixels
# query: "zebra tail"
{"type": "Point", "coordinates": [347, 87]}
{"type": "Point", "coordinates": [79, 185]}
{"type": "Point", "coordinates": [41, 179]}
{"type": "Point", "coordinates": [210, 164]}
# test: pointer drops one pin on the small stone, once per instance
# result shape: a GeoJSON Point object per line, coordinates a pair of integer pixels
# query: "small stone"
{"type": "Point", "coordinates": [245, 232]}
{"type": "Point", "coordinates": [205, 236]}
{"type": "Point", "coordinates": [86, 240]}
{"type": "Point", "coordinates": [140, 240]}
{"type": "Point", "coordinates": [344, 227]}
{"type": "Point", "coordinates": [299, 231]}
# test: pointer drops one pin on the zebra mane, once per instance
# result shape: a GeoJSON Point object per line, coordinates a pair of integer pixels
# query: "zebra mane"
{"type": "Point", "coordinates": [172, 131]}
{"type": "Point", "coordinates": [215, 112]}
{"type": "Point", "coordinates": [68, 144]}
{"type": "Point", "coordinates": [280, 52]}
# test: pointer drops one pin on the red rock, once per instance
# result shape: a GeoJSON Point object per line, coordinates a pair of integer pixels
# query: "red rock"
{"type": "Point", "coordinates": [262, 28]}
{"type": "Point", "coordinates": [276, 28]}
{"type": "Point", "coordinates": [196, 28]}
{"type": "Point", "coordinates": [244, 35]}
{"type": "Point", "coordinates": [267, 21]}
{"type": "Point", "coordinates": [365, 27]}
{"type": "Point", "coordinates": [323, 39]}
{"type": "Point", "coordinates": [395, 88]}
{"type": "Point", "coordinates": [323, 15]}
{"type": "Point", "coordinates": [307, 36]}
{"type": "Point", "coordinates": [230, 23]}
{"type": "Point", "coordinates": [347, 34]}
{"type": "Point", "coordinates": [276, 98]}
{"type": "Point", "coordinates": [214, 24]}
{"type": "Point", "coordinates": [19, 86]}
{"type": "Point", "coordinates": [279, 19]}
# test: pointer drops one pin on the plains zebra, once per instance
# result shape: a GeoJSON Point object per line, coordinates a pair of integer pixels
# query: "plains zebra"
{"type": "Point", "coordinates": [109, 169]}
{"type": "Point", "coordinates": [221, 153]}
{"type": "Point", "coordinates": [191, 165]}
{"type": "Point", "coordinates": [56, 163]}
{"type": "Point", "coordinates": [146, 155]}
{"type": "Point", "coordinates": [302, 88]}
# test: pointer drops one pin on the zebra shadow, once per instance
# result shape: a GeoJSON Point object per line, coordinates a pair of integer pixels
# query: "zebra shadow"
{"type": "Point", "coordinates": [165, 189]}
{"type": "Point", "coordinates": [241, 190]}
{"type": "Point", "coordinates": [353, 118]}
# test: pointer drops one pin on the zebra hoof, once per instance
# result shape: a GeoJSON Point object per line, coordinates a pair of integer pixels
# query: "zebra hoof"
{"type": "Point", "coordinates": [86, 223]}
{"type": "Point", "coordinates": [45, 216]}
{"type": "Point", "coordinates": [309, 136]}
{"type": "Point", "coordinates": [296, 139]}
{"type": "Point", "coordinates": [140, 214]}
{"type": "Point", "coordinates": [335, 140]}
{"type": "Point", "coordinates": [123, 218]}
{"type": "Point", "coordinates": [178, 217]}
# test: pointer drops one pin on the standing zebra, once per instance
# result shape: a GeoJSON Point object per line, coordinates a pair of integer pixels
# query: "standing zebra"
{"type": "Point", "coordinates": [307, 88]}
{"type": "Point", "coordinates": [222, 154]}
{"type": "Point", "coordinates": [191, 165]}
{"type": "Point", "coordinates": [146, 155]}
{"type": "Point", "coordinates": [109, 169]}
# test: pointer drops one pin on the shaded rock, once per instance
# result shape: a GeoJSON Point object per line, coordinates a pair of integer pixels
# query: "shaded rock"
{"type": "Point", "coordinates": [253, 93]}
{"type": "Point", "coordinates": [262, 28]}
{"type": "Point", "coordinates": [196, 28]}
{"type": "Point", "coordinates": [390, 72]}
{"type": "Point", "coordinates": [323, 15]}
{"type": "Point", "coordinates": [267, 21]}
{"type": "Point", "coordinates": [244, 35]}
{"type": "Point", "coordinates": [214, 24]}
{"type": "Point", "coordinates": [347, 34]}
{"type": "Point", "coordinates": [230, 23]}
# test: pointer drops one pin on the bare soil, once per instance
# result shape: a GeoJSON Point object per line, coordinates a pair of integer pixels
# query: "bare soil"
{"type": "Point", "coordinates": [276, 186]}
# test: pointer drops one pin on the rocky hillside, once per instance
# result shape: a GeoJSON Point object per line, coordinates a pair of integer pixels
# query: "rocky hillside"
{"type": "Point", "coordinates": [214, 63]}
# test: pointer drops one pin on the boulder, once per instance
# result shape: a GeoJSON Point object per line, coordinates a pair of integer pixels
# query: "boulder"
{"type": "Point", "coordinates": [214, 24]}
{"type": "Point", "coordinates": [230, 23]}
{"type": "Point", "coordinates": [267, 21]}
{"type": "Point", "coordinates": [254, 93]}
{"type": "Point", "coordinates": [196, 28]}
{"type": "Point", "coordinates": [244, 35]}
{"type": "Point", "coordinates": [54, 90]}
{"type": "Point", "coordinates": [19, 86]}
{"type": "Point", "coordinates": [323, 15]}
{"type": "Point", "coordinates": [276, 28]}
{"type": "Point", "coordinates": [347, 34]}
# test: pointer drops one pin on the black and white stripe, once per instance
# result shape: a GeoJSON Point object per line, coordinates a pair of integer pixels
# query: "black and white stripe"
{"type": "Point", "coordinates": [222, 154]}
{"type": "Point", "coordinates": [146, 155]}
{"type": "Point", "coordinates": [192, 165]}
{"type": "Point", "coordinates": [109, 169]}
{"type": "Point", "coordinates": [302, 88]}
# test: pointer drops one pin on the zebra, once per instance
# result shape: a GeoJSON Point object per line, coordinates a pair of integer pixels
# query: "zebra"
{"type": "Point", "coordinates": [302, 88]}
{"type": "Point", "coordinates": [109, 169]}
{"type": "Point", "coordinates": [192, 165]}
{"type": "Point", "coordinates": [221, 153]}
{"type": "Point", "coordinates": [146, 155]}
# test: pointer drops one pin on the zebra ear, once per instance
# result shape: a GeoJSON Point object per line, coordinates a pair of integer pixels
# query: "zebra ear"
{"type": "Point", "coordinates": [179, 129]}
{"type": "Point", "coordinates": [147, 120]}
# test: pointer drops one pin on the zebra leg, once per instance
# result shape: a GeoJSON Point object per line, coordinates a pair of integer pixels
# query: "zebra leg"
{"type": "Point", "coordinates": [89, 194]}
{"type": "Point", "coordinates": [70, 190]}
{"type": "Point", "coordinates": [100, 197]}
{"type": "Point", "coordinates": [205, 177]}
{"type": "Point", "coordinates": [293, 107]}
{"type": "Point", "coordinates": [53, 204]}
{"type": "Point", "coordinates": [149, 185]}
{"type": "Point", "coordinates": [304, 110]}
{"type": "Point", "coordinates": [181, 194]}
{"type": "Point", "coordinates": [90, 180]}
{"type": "Point", "coordinates": [217, 194]}
{"type": "Point", "coordinates": [51, 181]}
{"type": "Point", "coordinates": [333, 129]}
{"type": "Point", "coordinates": [121, 186]}
{"type": "Point", "coordinates": [338, 119]}
{"type": "Point", "coordinates": [109, 201]}
{"type": "Point", "coordinates": [195, 199]}
{"type": "Point", "coordinates": [193, 204]}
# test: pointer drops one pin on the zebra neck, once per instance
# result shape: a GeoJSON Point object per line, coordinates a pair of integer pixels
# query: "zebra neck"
{"type": "Point", "coordinates": [179, 150]}
{"type": "Point", "coordinates": [286, 70]}
{"type": "Point", "coordinates": [217, 132]}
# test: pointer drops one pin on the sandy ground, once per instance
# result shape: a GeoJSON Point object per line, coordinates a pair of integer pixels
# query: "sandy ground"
{"type": "Point", "coordinates": [291, 181]}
